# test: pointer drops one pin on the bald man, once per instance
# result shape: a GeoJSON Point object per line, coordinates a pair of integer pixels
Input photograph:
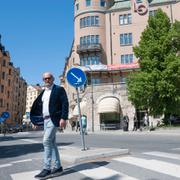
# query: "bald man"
{"type": "Point", "coordinates": [52, 105]}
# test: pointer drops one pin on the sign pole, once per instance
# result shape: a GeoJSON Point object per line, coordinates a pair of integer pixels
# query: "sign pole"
{"type": "Point", "coordinates": [76, 78]}
{"type": "Point", "coordinates": [81, 129]}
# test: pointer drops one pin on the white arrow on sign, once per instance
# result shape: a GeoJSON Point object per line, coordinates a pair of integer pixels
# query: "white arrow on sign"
{"type": "Point", "coordinates": [78, 78]}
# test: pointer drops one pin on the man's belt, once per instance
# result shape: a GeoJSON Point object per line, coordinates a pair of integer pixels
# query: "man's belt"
{"type": "Point", "coordinates": [46, 117]}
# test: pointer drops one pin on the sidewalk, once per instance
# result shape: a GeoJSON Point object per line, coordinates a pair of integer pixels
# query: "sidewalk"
{"type": "Point", "coordinates": [75, 155]}
{"type": "Point", "coordinates": [163, 131]}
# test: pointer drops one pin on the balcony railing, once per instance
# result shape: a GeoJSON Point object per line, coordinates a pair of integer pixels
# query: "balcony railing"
{"type": "Point", "coordinates": [88, 48]}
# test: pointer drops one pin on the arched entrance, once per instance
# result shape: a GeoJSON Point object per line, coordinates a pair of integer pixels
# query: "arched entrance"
{"type": "Point", "coordinates": [109, 113]}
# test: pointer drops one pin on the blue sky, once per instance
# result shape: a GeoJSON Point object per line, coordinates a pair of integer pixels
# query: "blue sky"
{"type": "Point", "coordinates": [38, 35]}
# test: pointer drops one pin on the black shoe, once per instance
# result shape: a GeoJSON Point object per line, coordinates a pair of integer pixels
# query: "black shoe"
{"type": "Point", "coordinates": [43, 174]}
{"type": "Point", "coordinates": [56, 172]}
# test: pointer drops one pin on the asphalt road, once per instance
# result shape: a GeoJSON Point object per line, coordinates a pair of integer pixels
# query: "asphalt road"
{"type": "Point", "coordinates": [152, 156]}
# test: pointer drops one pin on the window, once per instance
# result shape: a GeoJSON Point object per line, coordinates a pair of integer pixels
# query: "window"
{"type": "Point", "coordinates": [92, 21]}
{"type": "Point", "coordinates": [96, 20]}
{"type": "Point", "coordinates": [93, 39]}
{"type": "Point", "coordinates": [2, 88]}
{"type": "Point", "coordinates": [4, 63]}
{"type": "Point", "coordinates": [125, 19]}
{"type": "Point", "coordinates": [1, 102]}
{"type": "Point", "coordinates": [138, 1]}
{"type": "Point", "coordinates": [10, 71]}
{"type": "Point", "coordinates": [89, 60]}
{"type": "Point", "coordinates": [126, 58]}
{"type": "Point", "coordinates": [90, 39]}
{"type": "Point", "coordinates": [122, 79]}
{"type": "Point", "coordinates": [152, 13]}
{"type": "Point", "coordinates": [3, 75]}
{"type": "Point", "coordinates": [97, 39]}
{"type": "Point", "coordinates": [88, 2]}
{"type": "Point", "coordinates": [9, 82]}
{"type": "Point", "coordinates": [77, 7]}
{"type": "Point", "coordinates": [89, 21]}
{"type": "Point", "coordinates": [102, 3]}
{"type": "Point", "coordinates": [81, 23]}
{"type": "Point", "coordinates": [8, 106]}
{"type": "Point", "coordinates": [96, 81]}
{"type": "Point", "coordinates": [126, 39]}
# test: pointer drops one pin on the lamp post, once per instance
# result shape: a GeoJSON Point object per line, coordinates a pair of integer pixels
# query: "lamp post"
{"type": "Point", "coordinates": [92, 99]}
{"type": "Point", "coordinates": [171, 12]}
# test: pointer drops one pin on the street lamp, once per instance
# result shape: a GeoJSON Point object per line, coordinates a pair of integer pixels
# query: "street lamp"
{"type": "Point", "coordinates": [92, 99]}
{"type": "Point", "coordinates": [171, 13]}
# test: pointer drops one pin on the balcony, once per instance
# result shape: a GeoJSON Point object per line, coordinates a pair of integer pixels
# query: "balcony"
{"type": "Point", "coordinates": [88, 48]}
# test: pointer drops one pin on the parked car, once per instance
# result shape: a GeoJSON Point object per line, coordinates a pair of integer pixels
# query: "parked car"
{"type": "Point", "coordinates": [174, 119]}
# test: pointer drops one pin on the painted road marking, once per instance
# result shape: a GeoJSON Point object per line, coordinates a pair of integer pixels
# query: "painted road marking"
{"type": "Point", "coordinates": [20, 161]}
{"type": "Point", "coordinates": [154, 165]}
{"type": "Point", "coordinates": [31, 141]}
{"type": "Point", "coordinates": [164, 154]}
{"type": "Point", "coordinates": [5, 165]}
{"type": "Point", "coordinates": [25, 175]}
{"type": "Point", "coordinates": [94, 171]}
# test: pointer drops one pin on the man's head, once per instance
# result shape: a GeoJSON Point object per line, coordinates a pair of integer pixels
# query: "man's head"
{"type": "Point", "coordinates": [48, 79]}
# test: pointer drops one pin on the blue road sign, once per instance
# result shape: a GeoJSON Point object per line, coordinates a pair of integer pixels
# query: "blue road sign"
{"type": "Point", "coordinates": [76, 77]}
{"type": "Point", "coordinates": [5, 115]}
{"type": "Point", "coordinates": [2, 119]}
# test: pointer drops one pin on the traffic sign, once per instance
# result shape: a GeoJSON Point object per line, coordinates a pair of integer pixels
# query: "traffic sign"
{"type": "Point", "coordinates": [2, 119]}
{"type": "Point", "coordinates": [76, 77]}
{"type": "Point", "coordinates": [5, 115]}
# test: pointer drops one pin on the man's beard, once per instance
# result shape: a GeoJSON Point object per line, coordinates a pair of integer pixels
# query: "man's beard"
{"type": "Point", "coordinates": [47, 84]}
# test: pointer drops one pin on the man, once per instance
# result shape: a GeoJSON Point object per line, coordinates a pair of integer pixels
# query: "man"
{"type": "Point", "coordinates": [146, 120]}
{"type": "Point", "coordinates": [84, 123]}
{"type": "Point", "coordinates": [135, 123]}
{"type": "Point", "coordinates": [126, 122]}
{"type": "Point", "coordinates": [52, 104]}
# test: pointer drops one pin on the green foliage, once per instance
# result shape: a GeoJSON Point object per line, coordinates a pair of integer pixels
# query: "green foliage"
{"type": "Point", "coordinates": [156, 86]}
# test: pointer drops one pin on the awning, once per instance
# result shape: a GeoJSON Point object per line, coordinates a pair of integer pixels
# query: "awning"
{"type": "Point", "coordinates": [82, 107]}
{"type": "Point", "coordinates": [123, 66]}
{"type": "Point", "coordinates": [107, 105]}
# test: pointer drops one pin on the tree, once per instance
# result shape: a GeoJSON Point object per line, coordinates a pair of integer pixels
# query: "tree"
{"type": "Point", "coordinates": [156, 86]}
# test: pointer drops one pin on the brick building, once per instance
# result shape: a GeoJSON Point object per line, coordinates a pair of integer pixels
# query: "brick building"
{"type": "Point", "coordinates": [12, 89]}
{"type": "Point", "coordinates": [105, 32]}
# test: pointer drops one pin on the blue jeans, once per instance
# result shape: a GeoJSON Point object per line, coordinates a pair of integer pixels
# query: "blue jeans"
{"type": "Point", "coordinates": [50, 147]}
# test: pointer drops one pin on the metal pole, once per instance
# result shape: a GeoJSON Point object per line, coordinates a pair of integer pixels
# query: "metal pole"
{"type": "Point", "coordinates": [92, 102]}
{"type": "Point", "coordinates": [171, 12]}
{"type": "Point", "coordinates": [81, 130]}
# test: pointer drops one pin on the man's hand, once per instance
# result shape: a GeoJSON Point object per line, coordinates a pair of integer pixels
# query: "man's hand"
{"type": "Point", "coordinates": [62, 123]}
{"type": "Point", "coordinates": [34, 126]}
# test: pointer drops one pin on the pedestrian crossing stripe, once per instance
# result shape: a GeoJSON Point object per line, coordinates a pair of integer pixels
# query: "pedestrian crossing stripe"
{"type": "Point", "coordinates": [164, 154]}
{"type": "Point", "coordinates": [25, 175]}
{"type": "Point", "coordinates": [31, 141]}
{"type": "Point", "coordinates": [154, 165]}
{"type": "Point", "coordinates": [94, 171]}
{"type": "Point", "coordinates": [5, 165]}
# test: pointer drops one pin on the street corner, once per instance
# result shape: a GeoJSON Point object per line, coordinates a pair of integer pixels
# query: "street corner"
{"type": "Point", "coordinates": [74, 155]}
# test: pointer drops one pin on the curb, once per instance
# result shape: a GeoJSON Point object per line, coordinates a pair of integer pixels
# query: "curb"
{"type": "Point", "coordinates": [75, 155]}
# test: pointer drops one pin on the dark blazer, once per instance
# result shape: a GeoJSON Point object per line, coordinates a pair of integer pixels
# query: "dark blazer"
{"type": "Point", "coordinates": [58, 107]}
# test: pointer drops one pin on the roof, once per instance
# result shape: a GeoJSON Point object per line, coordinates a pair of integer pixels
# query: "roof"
{"type": "Point", "coordinates": [126, 4]}
{"type": "Point", "coordinates": [121, 5]}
